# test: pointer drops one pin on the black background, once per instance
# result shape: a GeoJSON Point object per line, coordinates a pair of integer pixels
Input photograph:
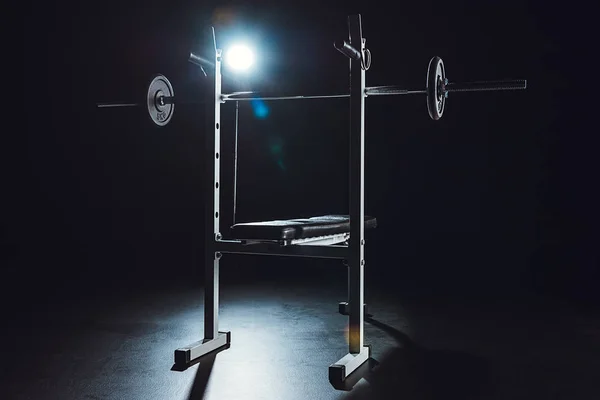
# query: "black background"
{"type": "Point", "coordinates": [498, 196]}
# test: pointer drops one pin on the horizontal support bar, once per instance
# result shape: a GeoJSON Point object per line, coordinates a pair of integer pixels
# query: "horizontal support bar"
{"type": "Point", "coordinates": [272, 249]}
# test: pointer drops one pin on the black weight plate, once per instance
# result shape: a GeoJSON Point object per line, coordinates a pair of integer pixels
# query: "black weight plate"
{"type": "Point", "coordinates": [160, 114]}
{"type": "Point", "coordinates": [436, 99]}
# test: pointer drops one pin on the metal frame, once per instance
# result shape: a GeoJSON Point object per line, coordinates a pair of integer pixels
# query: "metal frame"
{"type": "Point", "coordinates": [213, 338]}
{"type": "Point", "coordinates": [323, 247]}
{"type": "Point", "coordinates": [358, 353]}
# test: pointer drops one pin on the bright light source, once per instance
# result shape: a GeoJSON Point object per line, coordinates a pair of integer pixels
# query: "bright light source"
{"type": "Point", "coordinates": [239, 57]}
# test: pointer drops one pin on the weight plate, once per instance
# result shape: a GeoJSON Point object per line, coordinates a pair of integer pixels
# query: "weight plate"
{"type": "Point", "coordinates": [160, 114]}
{"type": "Point", "coordinates": [436, 98]}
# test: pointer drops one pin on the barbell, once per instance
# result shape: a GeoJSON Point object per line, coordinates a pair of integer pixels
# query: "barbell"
{"type": "Point", "coordinates": [160, 96]}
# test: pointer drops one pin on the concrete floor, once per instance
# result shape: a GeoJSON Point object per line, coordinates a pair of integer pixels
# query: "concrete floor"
{"type": "Point", "coordinates": [284, 337]}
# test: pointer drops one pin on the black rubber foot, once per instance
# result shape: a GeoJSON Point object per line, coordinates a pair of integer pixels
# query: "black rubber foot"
{"type": "Point", "coordinates": [339, 380]}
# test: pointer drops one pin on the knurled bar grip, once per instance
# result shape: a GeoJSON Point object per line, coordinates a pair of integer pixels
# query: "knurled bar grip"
{"type": "Point", "coordinates": [486, 85]}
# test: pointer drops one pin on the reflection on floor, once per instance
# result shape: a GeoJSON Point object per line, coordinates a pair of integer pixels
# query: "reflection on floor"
{"type": "Point", "coordinates": [285, 337]}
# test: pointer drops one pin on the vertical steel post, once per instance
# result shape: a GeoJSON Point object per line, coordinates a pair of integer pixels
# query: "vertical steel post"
{"type": "Point", "coordinates": [235, 159]}
{"type": "Point", "coordinates": [356, 258]}
{"type": "Point", "coordinates": [212, 230]}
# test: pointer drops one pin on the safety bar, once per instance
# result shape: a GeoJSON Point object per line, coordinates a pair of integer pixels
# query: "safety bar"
{"type": "Point", "coordinates": [346, 49]}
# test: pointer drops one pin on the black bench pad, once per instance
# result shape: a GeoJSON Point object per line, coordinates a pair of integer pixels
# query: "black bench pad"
{"type": "Point", "coordinates": [300, 228]}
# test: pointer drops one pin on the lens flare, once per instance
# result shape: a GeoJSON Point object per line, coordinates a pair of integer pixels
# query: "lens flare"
{"type": "Point", "coordinates": [261, 110]}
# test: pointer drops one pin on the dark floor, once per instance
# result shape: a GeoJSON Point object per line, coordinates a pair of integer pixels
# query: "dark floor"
{"type": "Point", "coordinates": [285, 336]}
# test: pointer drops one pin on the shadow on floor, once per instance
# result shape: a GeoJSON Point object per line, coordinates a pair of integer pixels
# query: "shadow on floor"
{"type": "Point", "coordinates": [205, 367]}
{"type": "Point", "coordinates": [411, 372]}
{"type": "Point", "coordinates": [527, 368]}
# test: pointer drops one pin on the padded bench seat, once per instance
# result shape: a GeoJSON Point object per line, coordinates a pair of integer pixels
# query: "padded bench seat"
{"type": "Point", "coordinates": [300, 228]}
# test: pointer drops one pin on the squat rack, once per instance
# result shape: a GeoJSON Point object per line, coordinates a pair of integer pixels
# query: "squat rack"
{"type": "Point", "coordinates": [353, 252]}
{"type": "Point", "coordinates": [348, 245]}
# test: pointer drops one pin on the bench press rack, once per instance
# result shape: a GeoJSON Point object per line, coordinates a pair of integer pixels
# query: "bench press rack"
{"type": "Point", "coordinates": [333, 236]}
{"type": "Point", "coordinates": [348, 245]}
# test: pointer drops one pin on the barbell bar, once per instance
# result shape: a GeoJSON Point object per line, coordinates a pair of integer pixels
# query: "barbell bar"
{"type": "Point", "coordinates": [160, 97]}
{"type": "Point", "coordinates": [369, 91]}
{"type": "Point", "coordinates": [397, 90]}
{"type": "Point", "coordinates": [513, 84]}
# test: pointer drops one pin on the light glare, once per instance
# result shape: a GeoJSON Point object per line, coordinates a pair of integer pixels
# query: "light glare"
{"type": "Point", "coordinates": [240, 57]}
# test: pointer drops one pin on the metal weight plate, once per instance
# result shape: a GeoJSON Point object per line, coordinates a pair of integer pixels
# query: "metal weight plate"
{"type": "Point", "coordinates": [160, 114]}
{"type": "Point", "coordinates": [436, 97]}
